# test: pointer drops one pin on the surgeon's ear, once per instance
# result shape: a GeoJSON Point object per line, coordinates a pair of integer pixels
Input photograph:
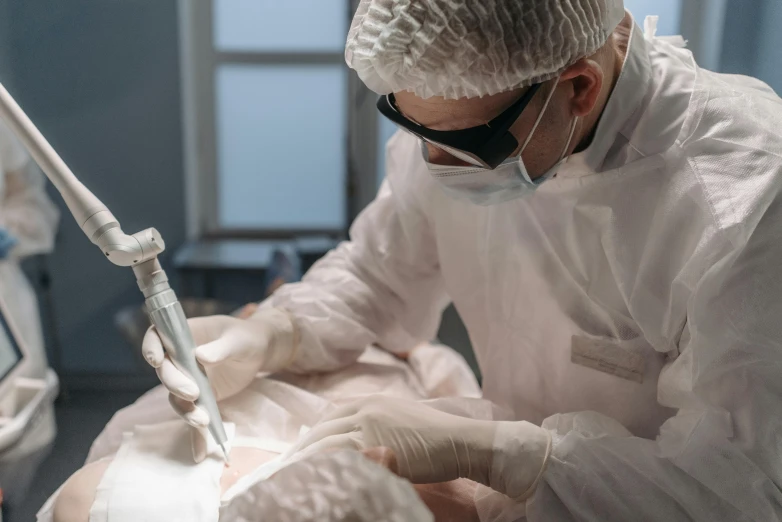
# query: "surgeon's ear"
{"type": "Point", "coordinates": [585, 79]}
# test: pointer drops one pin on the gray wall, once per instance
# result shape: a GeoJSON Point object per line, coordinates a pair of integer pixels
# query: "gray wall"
{"type": "Point", "coordinates": [768, 61]}
{"type": "Point", "coordinates": [5, 36]}
{"type": "Point", "coordinates": [752, 40]}
{"type": "Point", "coordinates": [101, 80]}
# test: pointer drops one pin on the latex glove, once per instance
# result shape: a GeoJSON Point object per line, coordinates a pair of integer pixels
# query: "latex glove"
{"type": "Point", "coordinates": [7, 243]}
{"type": "Point", "coordinates": [246, 311]}
{"type": "Point", "coordinates": [232, 351]}
{"type": "Point", "coordinates": [432, 446]}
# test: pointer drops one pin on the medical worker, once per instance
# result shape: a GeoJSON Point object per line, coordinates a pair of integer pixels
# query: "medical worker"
{"type": "Point", "coordinates": [28, 224]}
{"type": "Point", "coordinates": [605, 215]}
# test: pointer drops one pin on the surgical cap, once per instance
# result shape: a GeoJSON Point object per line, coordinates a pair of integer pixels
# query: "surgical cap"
{"type": "Point", "coordinates": [473, 48]}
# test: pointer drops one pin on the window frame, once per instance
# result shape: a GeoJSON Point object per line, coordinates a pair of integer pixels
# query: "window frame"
{"type": "Point", "coordinates": [200, 60]}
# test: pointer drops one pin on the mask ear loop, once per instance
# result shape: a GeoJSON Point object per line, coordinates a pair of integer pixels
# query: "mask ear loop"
{"type": "Point", "coordinates": [569, 139]}
{"type": "Point", "coordinates": [540, 116]}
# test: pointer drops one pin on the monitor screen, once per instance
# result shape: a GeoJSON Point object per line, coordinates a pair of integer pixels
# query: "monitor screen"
{"type": "Point", "coordinates": [10, 354]}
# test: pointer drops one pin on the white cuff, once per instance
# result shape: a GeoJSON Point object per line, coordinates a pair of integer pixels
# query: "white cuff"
{"type": "Point", "coordinates": [521, 452]}
{"type": "Point", "coordinates": [284, 346]}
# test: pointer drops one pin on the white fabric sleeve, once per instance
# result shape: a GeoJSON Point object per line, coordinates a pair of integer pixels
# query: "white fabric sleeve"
{"type": "Point", "coordinates": [384, 286]}
{"type": "Point", "coordinates": [443, 372]}
{"type": "Point", "coordinates": [13, 155]}
{"type": "Point", "coordinates": [718, 458]}
{"type": "Point", "coordinates": [27, 212]}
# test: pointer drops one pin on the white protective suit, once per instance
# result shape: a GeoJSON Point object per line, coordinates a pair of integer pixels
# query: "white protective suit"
{"type": "Point", "coordinates": [28, 214]}
{"type": "Point", "coordinates": [31, 217]}
{"type": "Point", "coordinates": [642, 283]}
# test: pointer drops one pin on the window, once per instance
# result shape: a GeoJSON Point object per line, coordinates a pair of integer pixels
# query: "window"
{"type": "Point", "coordinates": [266, 112]}
{"type": "Point", "coordinates": [281, 146]}
{"type": "Point", "coordinates": [274, 26]}
{"type": "Point", "coordinates": [669, 12]}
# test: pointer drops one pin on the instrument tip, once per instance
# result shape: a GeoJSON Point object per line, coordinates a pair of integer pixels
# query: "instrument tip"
{"type": "Point", "coordinates": [225, 453]}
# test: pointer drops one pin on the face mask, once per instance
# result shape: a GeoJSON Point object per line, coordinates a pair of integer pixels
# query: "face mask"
{"type": "Point", "coordinates": [510, 180]}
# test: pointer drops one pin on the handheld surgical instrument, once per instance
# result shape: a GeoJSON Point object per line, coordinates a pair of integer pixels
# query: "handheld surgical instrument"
{"type": "Point", "coordinates": [139, 251]}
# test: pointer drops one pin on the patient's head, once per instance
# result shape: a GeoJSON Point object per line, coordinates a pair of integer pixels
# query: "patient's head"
{"type": "Point", "coordinates": [297, 492]}
{"type": "Point", "coordinates": [333, 486]}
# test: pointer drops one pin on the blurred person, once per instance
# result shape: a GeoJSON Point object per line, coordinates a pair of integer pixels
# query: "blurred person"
{"type": "Point", "coordinates": [28, 225]}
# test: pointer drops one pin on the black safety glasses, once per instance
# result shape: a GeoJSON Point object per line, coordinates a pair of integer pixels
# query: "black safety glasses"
{"type": "Point", "coordinates": [484, 146]}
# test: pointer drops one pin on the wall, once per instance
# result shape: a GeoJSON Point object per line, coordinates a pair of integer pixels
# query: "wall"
{"type": "Point", "coordinates": [752, 42]}
{"type": "Point", "coordinates": [768, 61]}
{"type": "Point", "coordinates": [101, 80]}
{"type": "Point", "coordinates": [669, 12]}
{"type": "Point", "coordinates": [5, 35]}
{"type": "Point", "coordinates": [738, 56]}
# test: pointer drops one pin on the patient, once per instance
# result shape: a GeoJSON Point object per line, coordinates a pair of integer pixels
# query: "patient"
{"type": "Point", "coordinates": [267, 418]}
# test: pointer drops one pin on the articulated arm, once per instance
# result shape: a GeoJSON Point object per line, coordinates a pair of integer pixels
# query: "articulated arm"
{"type": "Point", "coordinates": [92, 216]}
{"type": "Point", "coordinates": [139, 251]}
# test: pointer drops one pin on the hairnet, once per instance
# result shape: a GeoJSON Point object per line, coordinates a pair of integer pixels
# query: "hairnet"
{"type": "Point", "coordinates": [473, 48]}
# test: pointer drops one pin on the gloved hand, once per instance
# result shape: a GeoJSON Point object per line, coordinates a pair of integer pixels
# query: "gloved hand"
{"type": "Point", "coordinates": [432, 446]}
{"type": "Point", "coordinates": [7, 243]}
{"type": "Point", "coordinates": [231, 350]}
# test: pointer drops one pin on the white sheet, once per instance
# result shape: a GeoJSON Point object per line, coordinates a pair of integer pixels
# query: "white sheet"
{"type": "Point", "coordinates": [153, 478]}
{"type": "Point", "coordinates": [278, 409]}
